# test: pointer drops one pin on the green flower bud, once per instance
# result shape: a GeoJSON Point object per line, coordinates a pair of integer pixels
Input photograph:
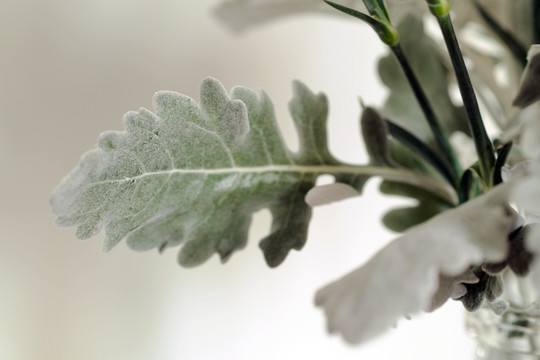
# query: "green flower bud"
{"type": "Point", "coordinates": [439, 8]}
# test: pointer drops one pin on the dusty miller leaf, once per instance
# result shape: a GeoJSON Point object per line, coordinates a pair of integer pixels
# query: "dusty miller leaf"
{"type": "Point", "coordinates": [404, 277]}
{"type": "Point", "coordinates": [193, 175]}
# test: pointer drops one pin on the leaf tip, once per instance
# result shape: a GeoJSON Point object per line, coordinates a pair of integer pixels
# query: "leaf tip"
{"type": "Point", "coordinates": [195, 252]}
{"type": "Point", "coordinates": [211, 87]}
{"type": "Point", "coordinates": [109, 140]}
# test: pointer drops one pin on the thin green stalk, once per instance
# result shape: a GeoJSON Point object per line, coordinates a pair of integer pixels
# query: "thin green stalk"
{"type": "Point", "coordinates": [484, 148]}
{"type": "Point", "coordinates": [536, 21]}
{"type": "Point", "coordinates": [427, 109]}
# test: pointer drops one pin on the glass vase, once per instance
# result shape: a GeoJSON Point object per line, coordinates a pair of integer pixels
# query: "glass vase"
{"type": "Point", "coordinates": [514, 335]}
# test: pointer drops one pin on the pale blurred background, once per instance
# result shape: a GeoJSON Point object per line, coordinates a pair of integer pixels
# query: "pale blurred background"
{"type": "Point", "coordinates": [68, 71]}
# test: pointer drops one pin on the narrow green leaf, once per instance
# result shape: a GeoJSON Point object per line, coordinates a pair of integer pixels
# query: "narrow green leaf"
{"type": "Point", "coordinates": [499, 163]}
{"type": "Point", "coordinates": [386, 31]}
{"type": "Point", "coordinates": [355, 13]}
{"type": "Point", "coordinates": [377, 9]}
{"type": "Point", "coordinates": [412, 142]}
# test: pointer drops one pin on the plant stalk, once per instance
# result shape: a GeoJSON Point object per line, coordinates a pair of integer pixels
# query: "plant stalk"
{"type": "Point", "coordinates": [484, 148]}
{"type": "Point", "coordinates": [427, 109]}
{"type": "Point", "coordinates": [536, 21]}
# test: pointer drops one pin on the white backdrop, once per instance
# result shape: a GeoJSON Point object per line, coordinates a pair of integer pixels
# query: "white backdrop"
{"type": "Point", "coordinates": [70, 69]}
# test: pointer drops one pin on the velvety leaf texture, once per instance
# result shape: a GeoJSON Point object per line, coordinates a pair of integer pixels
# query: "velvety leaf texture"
{"type": "Point", "coordinates": [194, 175]}
{"type": "Point", "coordinates": [413, 272]}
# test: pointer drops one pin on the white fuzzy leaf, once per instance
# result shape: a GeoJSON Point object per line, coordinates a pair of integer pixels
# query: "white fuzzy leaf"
{"type": "Point", "coordinates": [404, 276]}
{"type": "Point", "coordinates": [192, 175]}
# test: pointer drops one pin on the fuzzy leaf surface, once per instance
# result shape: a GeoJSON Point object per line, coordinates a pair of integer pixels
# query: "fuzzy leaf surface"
{"type": "Point", "coordinates": [194, 174]}
{"type": "Point", "coordinates": [414, 271]}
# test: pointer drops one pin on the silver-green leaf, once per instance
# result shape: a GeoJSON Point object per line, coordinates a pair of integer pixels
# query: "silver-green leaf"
{"type": "Point", "coordinates": [417, 271]}
{"type": "Point", "coordinates": [193, 175]}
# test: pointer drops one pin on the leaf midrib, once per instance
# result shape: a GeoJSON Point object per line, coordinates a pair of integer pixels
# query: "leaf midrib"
{"type": "Point", "coordinates": [401, 175]}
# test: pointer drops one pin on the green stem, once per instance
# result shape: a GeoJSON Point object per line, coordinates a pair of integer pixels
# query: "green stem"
{"type": "Point", "coordinates": [484, 148]}
{"type": "Point", "coordinates": [427, 109]}
{"type": "Point", "coordinates": [536, 21]}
